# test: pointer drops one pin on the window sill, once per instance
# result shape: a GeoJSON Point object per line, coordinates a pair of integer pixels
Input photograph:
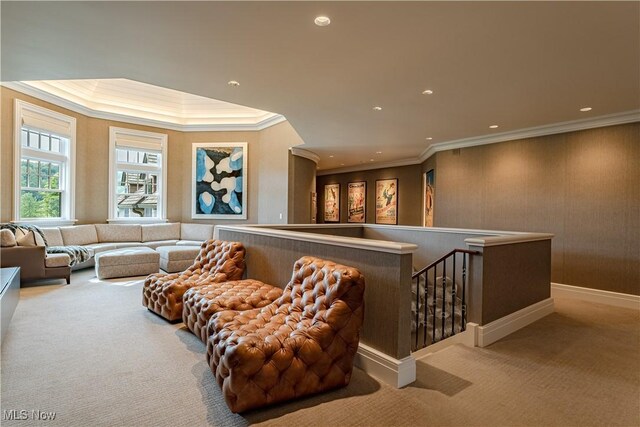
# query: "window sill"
{"type": "Point", "coordinates": [46, 222]}
{"type": "Point", "coordinates": [137, 220]}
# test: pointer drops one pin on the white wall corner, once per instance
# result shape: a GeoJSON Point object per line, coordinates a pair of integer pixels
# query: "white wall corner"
{"type": "Point", "coordinates": [615, 299]}
{"type": "Point", "coordinates": [498, 329]}
{"type": "Point", "coordinates": [395, 372]}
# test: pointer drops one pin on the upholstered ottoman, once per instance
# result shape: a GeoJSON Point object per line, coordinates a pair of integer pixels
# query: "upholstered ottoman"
{"type": "Point", "coordinates": [136, 261]}
{"type": "Point", "coordinates": [177, 258]}
{"type": "Point", "coordinates": [202, 302]}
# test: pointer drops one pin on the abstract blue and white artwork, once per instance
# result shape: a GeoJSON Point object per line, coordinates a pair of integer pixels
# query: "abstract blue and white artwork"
{"type": "Point", "coordinates": [219, 180]}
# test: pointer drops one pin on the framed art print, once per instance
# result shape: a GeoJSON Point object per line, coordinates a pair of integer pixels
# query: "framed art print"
{"type": "Point", "coordinates": [356, 201]}
{"type": "Point", "coordinates": [387, 201]}
{"type": "Point", "coordinates": [219, 180]}
{"type": "Point", "coordinates": [429, 193]}
{"type": "Point", "coordinates": [314, 207]}
{"type": "Point", "coordinates": [332, 203]}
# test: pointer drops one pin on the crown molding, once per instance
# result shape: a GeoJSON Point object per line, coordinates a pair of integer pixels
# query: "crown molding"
{"type": "Point", "coordinates": [301, 152]}
{"type": "Point", "coordinates": [367, 167]}
{"type": "Point", "coordinates": [80, 109]}
{"type": "Point", "coordinates": [555, 128]}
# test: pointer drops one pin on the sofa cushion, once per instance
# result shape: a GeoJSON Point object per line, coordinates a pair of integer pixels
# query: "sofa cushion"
{"type": "Point", "coordinates": [53, 236]}
{"type": "Point", "coordinates": [57, 260]}
{"type": "Point", "coordinates": [29, 238]}
{"type": "Point", "coordinates": [159, 243]}
{"type": "Point", "coordinates": [189, 242]}
{"type": "Point", "coordinates": [96, 248]}
{"type": "Point", "coordinates": [196, 232]}
{"type": "Point", "coordinates": [7, 238]}
{"type": "Point", "coordinates": [124, 245]}
{"type": "Point", "coordinates": [79, 235]}
{"type": "Point", "coordinates": [155, 232]}
{"type": "Point", "coordinates": [119, 233]}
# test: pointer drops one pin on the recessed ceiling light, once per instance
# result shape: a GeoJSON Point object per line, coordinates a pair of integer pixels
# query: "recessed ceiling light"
{"type": "Point", "coordinates": [585, 109]}
{"type": "Point", "coordinates": [331, 156]}
{"type": "Point", "coordinates": [427, 92]}
{"type": "Point", "coordinates": [376, 108]}
{"type": "Point", "coordinates": [429, 138]}
{"type": "Point", "coordinates": [371, 160]}
{"type": "Point", "coordinates": [322, 21]}
{"type": "Point", "coordinates": [378, 152]}
{"type": "Point", "coordinates": [493, 126]}
{"type": "Point", "coordinates": [233, 83]}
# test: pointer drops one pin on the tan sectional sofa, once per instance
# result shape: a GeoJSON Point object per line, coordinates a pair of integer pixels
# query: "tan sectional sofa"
{"type": "Point", "coordinates": [105, 237]}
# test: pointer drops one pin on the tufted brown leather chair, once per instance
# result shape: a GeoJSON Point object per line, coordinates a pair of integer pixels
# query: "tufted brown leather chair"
{"type": "Point", "coordinates": [218, 261]}
{"type": "Point", "coordinates": [302, 343]}
{"type": "Point", "coordinates": [201, 302]}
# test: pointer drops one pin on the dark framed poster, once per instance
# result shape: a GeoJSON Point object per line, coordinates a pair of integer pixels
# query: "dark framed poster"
{"type": "Point", "coordinates": [332, 203]}
{"type": "Point", "coordinates": [314, 207]}
{"type": "Point", "coordinates": [387, 201]}
{"type": "Point", "coordinates": [428, 185]}
{"type": "Point", "coordinates": [356, 201]}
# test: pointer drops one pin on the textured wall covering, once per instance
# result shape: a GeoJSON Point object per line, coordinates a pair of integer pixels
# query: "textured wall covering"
{"type": "Point", "coordinates": [302, 181]}
{"type": "Point", "coordinates": [409, 189]}
{"type": "Point", "coordinates": [582, 186]}
{"type": "Point", "coordinates": [268, 164]}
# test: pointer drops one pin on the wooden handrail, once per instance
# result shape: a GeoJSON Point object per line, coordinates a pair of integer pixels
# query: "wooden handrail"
{"type": "Point", "coordinates": [442, 258]}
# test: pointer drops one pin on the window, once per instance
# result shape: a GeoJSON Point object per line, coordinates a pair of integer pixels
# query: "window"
{"type": "Point", "coordinates": [137, 175]}
{"type": "Point", "coordinates": [44, 163]}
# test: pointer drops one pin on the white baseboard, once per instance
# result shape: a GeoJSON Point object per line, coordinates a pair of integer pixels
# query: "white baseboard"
{"type": "Point", "coordinates": [468, 338]}
{"type": "Point", "coordinates": [498, 329]}
{"type": "Point", "coordinates": [595, 295]}
{"type": "Point", "coordinates": [395, 372]}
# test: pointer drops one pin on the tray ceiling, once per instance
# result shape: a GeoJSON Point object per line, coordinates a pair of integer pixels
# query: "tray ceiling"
{"type": "Point", "coordinates": [141, 102]}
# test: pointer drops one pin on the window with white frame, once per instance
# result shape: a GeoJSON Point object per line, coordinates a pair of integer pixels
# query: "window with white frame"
{"type": "Point", "coordinates": [137, 175]}
{"type": "Point", "coordinates": [43, 165]}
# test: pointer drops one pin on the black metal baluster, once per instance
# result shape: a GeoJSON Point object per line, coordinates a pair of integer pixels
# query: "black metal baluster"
{"type": "Point", "coordinates": [444, 296]}
{"type": "Point", "coordinates": [433, 335]}
{"type": "Point", "coordinates": [426, 307]}
{"type": "Point", "coordinates": [417, 308]}
{"type": "Point", "coordinates": [464, 288]}
{"type": "Point", "coordinates": [453, 297]}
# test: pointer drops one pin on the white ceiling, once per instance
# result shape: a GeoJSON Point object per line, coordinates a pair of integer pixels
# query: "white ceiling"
{"type": "Point", "coordinates": [131, 99]}
{"type": "Point", "coordinates": [515, 64]}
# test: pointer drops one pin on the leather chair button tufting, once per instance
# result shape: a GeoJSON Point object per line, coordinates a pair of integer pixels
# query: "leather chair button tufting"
{"type": "Point", "coordinates": [284, 349]}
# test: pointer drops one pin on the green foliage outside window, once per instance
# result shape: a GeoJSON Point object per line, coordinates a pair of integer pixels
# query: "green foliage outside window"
{"type": "Point", "coordinates": [40, 196]}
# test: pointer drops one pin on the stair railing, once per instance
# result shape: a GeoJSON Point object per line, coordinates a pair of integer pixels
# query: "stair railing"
{"type": "Point", "coordinates": [430, 323]}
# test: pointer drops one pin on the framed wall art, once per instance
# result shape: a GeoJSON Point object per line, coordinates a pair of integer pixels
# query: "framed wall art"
{"type": "Point", "coordinates": [314, 207]}
{"type": "Point", "coordinates": [387, 201]}
{"type": "Point", "coordinates": [332, 203]}
{"type": "Point", "coordinates": [428, 185]}
{"type": "Point", "coordinates": [219, 180]}
{"type": "Point", "coordinates": [356, 201]}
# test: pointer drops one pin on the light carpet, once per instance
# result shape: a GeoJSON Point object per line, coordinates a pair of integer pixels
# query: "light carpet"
{"type": "Point", "coordinates": [93, 355]}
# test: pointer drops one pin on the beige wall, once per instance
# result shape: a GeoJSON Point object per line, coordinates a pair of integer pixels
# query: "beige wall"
{"type": "Point", "coordinates": [267, 174]}
{"type": "Point", "coordinates": [275, 142]}
{"type": "Point", "coordinates": [409, 187]}
{"type": "Point", "coordinates": [582, 186]}
{"type": "Point", "coordinates": [302, 182]}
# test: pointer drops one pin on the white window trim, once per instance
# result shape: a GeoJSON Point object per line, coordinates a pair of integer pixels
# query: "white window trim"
{"type": "Point", "coordinates": [58, 124]}
{"type": "Point", "coordinates": [140, 138]}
